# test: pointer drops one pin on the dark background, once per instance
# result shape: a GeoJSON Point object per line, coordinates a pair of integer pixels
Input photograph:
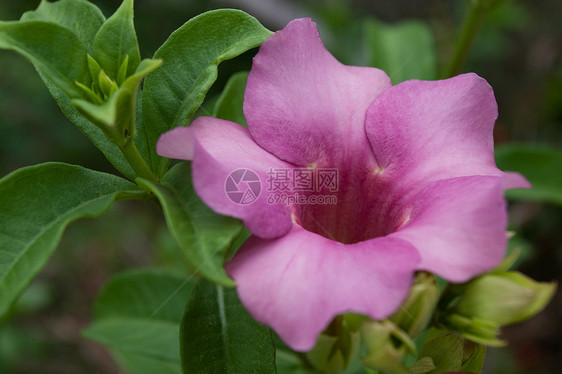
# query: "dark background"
{"type": "Point", "coordinates": [519, 51]}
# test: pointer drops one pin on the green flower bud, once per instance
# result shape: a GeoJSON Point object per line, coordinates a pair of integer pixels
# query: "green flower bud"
{"type": "Point", "coordinates": [417, 310]}
{"type": "Point", "coordinates": [387, 346]}
{"type": "Point", "coordinates": [504, 297]}
{"type": "Point", "coordinates": [109, 106]}
{"type": "Point", "coordinates": [122, 73]}
{"type": "Point", "coordinates": [95, 70]}
{"type": "Point", "coordinates": [106, 84]}
{"type": "Point", "coordinates": [495, 299]}
{"type": "Point", "coordinates": [337, 345]}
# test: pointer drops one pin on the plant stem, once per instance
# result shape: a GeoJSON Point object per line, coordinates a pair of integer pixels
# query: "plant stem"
{"type": "Point", "coordinates": [471, 25]}
{"type": "Point", "coordinates": [137, 162]}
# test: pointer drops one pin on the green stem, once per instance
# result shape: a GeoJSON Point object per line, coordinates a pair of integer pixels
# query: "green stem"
{"type": "Point", "coordinates": [137, 162]}
{"type": "Point", "coordinates": [471, 25]}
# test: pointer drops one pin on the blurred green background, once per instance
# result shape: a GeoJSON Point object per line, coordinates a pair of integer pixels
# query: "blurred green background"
{"type": "Point", "coordinates": [518, 50]}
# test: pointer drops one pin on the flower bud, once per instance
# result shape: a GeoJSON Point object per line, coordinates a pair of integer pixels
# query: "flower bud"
{"type": "Point", "coordinates": [496, 299]}
{"type": "Point", "coordinates": [417, 310]}
{"type": "Point", "coordinates": [386, 345]}
{"type": "Point", "coordinates": [110, 106]}
{"type": "Point", "coordinates": [337, 345]}
{"type": "Point", "coordinates": [106, 84]}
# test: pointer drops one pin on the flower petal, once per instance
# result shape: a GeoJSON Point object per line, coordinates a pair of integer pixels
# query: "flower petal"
{"type": "Point", "coordinates": [218, 148]}
{"type": "Point", "coordinates": [458, 226]}
{"type": "Point", "coordinates": [512, 179]}
{"type": "Point", "coordinates": [298, 283]}
{"type": "Point", "coordinates": [304, 106]}
{"type": "Point", "coordinates": [423, 131]}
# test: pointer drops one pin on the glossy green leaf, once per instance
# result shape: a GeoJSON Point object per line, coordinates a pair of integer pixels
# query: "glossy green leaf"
{"type": "Point", "coordinates": [54, 50]}
{"type": "Point", "coordinates": [229, 104]}
{"type": "Point", "coordinates": [203, 236]}
{"type": "Point", "coordinates": [117, 39]}
{"type": "Point", "coordinates": [404, 50]}
{"type": "Point", "coordinates": [191, 56]}
{"type": "Point", "coordinates": [219, 336]}
{"type": "Point", "coordinates": [79, 16]}
{"type": "Point", "coordinates": [137, 315]}
{"type": "Point", "coordinates": [541, 165]}
{"type": "Point", "coordinates": [36, 204]}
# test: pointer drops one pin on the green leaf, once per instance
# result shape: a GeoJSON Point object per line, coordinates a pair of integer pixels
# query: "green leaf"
{"type": "Point", "coordinates": [137, 315]}
{"type": "Point", "coordinates": [144, 337]}
{"type": "Point", "coordinates": [445, 350]}
{"type": "Point", "coordinates": [219, 336]}
{"type": "Point", "coordinates": [229, 104]}
{"type": "Point", "coordinates": [404, 50]}
{"type": "Point", "coordinates": [202, 235]}
{"type": "Point", "coordinates": [54, 50]}
{"type": "Point", "coordinates": [61, 60]}
{"type": "Point", "coordinates": [473, 360]}
{"type": "Point", "coordinates": [541, 166]}
{"type": "Point", "coordinates": [115, 40]}
{"type": "Point", "coordinates": [191, 56]}
{"type": "Point", "coordinates": [422, 366]}
{"type": "Point", "coordinates": [36, 204]}
{"type": "Point", "coordinates": [145, 364]}
{"type": "Point", "coordinates": [144, 294]}
{"type": "Point", "coordinates": [79, 16]}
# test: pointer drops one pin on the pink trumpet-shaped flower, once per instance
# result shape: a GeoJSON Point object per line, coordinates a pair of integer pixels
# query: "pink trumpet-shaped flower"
{"type": "Point", "coordinates": [418, 188]}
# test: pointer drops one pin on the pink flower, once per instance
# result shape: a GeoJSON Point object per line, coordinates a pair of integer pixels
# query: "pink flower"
{"type": "Point", "coordinates": [418, 186]}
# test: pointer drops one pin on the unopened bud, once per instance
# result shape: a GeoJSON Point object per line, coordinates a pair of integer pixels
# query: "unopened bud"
{"type": "Point", "coordinates": [496, 299]}
{"type": "Point", "coordinates": [337, 345]}
{"type": "Point", "coordinates": [417, 310]}
{"type": "Point", "coordinates": [387, 346]}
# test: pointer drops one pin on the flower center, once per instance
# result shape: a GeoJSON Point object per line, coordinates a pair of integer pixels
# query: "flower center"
{"type": "Point", "coordinates": [365, 205]}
